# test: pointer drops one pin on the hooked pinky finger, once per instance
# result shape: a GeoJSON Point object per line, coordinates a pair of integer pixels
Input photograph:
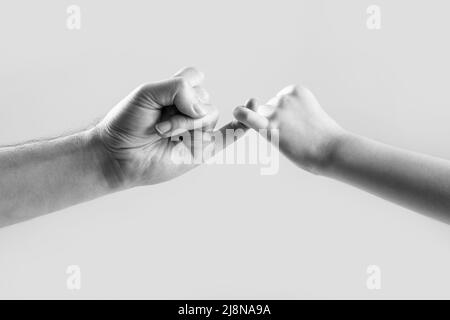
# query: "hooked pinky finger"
{"type": "Point", "coordinates": [250, 118]}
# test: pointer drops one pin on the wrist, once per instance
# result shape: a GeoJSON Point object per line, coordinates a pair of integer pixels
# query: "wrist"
{"type": "Point", "coordinates": [339, 152]}
{"type": "Point", "coordinates": [107, 168]}
{"type": "Point", "coordinates": [335, 143]}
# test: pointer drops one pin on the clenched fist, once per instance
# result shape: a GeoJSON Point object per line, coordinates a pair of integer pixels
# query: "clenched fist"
{"type": "Point", "coordinates": [144, 132]}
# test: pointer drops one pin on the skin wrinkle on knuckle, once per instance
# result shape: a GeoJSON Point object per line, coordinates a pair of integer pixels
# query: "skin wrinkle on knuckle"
{"type": "Point", "coordinates": [182, 85]}
{"type": "Point", "coordinates": [295, 90]}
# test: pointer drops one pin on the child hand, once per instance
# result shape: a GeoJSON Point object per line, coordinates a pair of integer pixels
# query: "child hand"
{"type": "Point", "coordinates": [307, 134]}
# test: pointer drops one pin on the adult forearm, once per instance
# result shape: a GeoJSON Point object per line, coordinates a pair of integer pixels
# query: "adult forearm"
{"type": "Point", "coordinates": [416, 181]}
{"type": "Point", "coordinates": [45, 176]}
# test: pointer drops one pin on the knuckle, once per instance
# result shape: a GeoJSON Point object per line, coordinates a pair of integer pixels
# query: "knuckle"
{"type": "Point", "coordinates": [182, 84]}
{"type": "Point", "coordinates": [143, 87]}
{"type": "Point", "coordinates": [285, 100]}
{"type": "Point", "coordinates": [293, 90]}
{"type": "Point", "coordinates": [299, 91]}
{"type": "Point", "coordinates": [195, 71]}
{"type": "Point", "coordinates": [191, 69]}
{"type": "Point", "coordinates": [291, 94]}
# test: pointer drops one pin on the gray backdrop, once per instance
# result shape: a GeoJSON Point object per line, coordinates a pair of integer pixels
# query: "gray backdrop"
{"type": "Point", "coordinates": [225, 231]}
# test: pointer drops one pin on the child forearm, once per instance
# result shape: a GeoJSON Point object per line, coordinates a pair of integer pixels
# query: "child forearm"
{"type": "Point", "coordinates": [413, 180]}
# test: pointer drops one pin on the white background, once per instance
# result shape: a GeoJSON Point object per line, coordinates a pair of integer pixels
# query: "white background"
{"type": "Point", "coordinates": [225, 231]}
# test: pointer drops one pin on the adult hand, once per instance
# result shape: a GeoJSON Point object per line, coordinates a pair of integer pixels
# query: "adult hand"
{"type": "Point", "coordinates": [141, 134]}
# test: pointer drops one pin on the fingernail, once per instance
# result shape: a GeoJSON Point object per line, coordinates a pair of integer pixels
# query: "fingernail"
{"type": "Point", "coordinates": [199, 110]}
{"type": "Point", "coordinates": [163, 127]}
